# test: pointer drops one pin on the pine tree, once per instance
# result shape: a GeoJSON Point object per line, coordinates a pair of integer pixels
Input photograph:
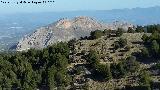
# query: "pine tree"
{"type": "Point", "coordinates": [155, 48]}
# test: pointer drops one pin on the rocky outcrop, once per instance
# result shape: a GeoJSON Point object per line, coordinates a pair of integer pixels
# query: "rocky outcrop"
{"type": "Point", "coordinates": [65, 30]}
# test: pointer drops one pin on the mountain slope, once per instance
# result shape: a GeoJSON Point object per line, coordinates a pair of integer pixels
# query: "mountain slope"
{"type": "Point", "coordinates": [65, 30]}
{"type": "Point", "coordinates": [10, 24]}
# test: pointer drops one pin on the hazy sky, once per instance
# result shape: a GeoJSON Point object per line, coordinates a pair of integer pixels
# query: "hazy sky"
{"type": "Point", "coordinates": [72, 5]}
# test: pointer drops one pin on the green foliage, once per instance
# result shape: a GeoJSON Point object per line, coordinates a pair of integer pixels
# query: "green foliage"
{"type": "Point", "coordinates": [61, 61]}
{"type": "Point", "coordinates": [35, 68]}
{"type": "Point", "coordinates": [155, 47]}
{"type": "Point", "coordinates": [107, 31]}
{"type": "Point", "coordinates": [118, 70]}
{"type": "Point", "coordinates": [139, 29]}
{"type": "Point", "coordinates": [122, 42]}
{"type": "Point", "coordinates": [72, 42]}
{"type": "Point", "coordinates": [96, 34]}
{"type": "Point", "coordinates": [61, 78]}
{"type": "Point", "coordinates": [152, 45]}
{"type": "Point", "coordinates": [130, 30]}
{"type": "Point", "coordinates": [153, 28]}
{"type": "Point", "coordinates": [145, 79]}
{"type": "Point", "coordinates": [145, 52]}
{"type": "Point", "coordinates": [104, 71]}
{"type": "Point", "coordinates": [119, 32]}
{"type": "Point", "coordinates": [155, 36]}
{"type": "Point", "coordinates": [93, 58]}
{"type": "Point", "coordinates": [116, 45]}
{"type": "Point", "coordinates": [83, 52]}
{"type": "Point", "coordinates": [51, 80]}
{"type": "Point", "coordinates": [145, 38]}
{"type": "Point", "coordinates": [125, 66]}
{"type": "Point", "coordinates": [131, 65]}
{"type": "Point", "coordinates": [148, 28]}
{"type": "Point", "coordinates": [79, 70]}
{"type": "Point", "coordinates": [157, 66]}
{"type": "Point", "coordinates": [128, 47]}
{"type": "Point", "coordinates": [86, 86]}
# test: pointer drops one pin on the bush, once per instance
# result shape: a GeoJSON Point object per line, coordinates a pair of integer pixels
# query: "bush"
{"type": "Point", "coordinates": [145, 52]}
{"type": "Point", "coordinates": [72, 42]}
{"type": "Point", "coordinates": [62, 79]}
{"type": "Point", "coordinates": [119, 32]}
{"type": "Point", "coordinates": [107, 32]}
{"type": "Point", "coordinates": [139, 29]}
{"type": "Point", "coordinates": [130, 30]}
{"type": "Point", "coordinates": [145, 79]}
{"type": "Point", "coordinates": [79, 70]}
{"type": "Point", "coordinates": [131, 65]}
{"type": "Point", "coordinates": [116, 45]}
{"type": "Point", "coordinates": [104, 71]}
{"type": "Point", "coordinates": [51, 80]}
{"type": "Point", "coordinates": [96, 34]}
{"type": "Point", "coordinates": [93, 58]}
{"type": "Point", "coordinates": [128, 47]}
{"type": "Point", "coordinates": [157, 66]}
{"type": "Point", "coordinates": [145, 38]}
{"type": "Point", "coordinates": [152, 45]}
{"type": "Point", "coordinates": [153, 28]}
{"type": "Point", "coordinates": [155, 48]}
{"type": "Point", "coordinates": [122, 42]}
{"type": "Point", "coordinates": [83, 52]}
{"type": "Point", "coordinates": [118, 70]}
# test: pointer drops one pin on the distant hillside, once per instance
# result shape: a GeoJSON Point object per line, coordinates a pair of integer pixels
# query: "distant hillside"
{"type": "Point", "coordinates": [65, 30]}
{"type": "Point", "coordinates": [15, 26]}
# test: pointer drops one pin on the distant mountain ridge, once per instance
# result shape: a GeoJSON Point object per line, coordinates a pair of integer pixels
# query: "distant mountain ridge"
{"type": "Point", "coordinates": [65, 30]}
{"type": "Point", "coordinates": [29, 22]}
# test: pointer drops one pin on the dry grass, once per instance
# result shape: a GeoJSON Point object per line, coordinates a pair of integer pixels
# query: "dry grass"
{"type": "Point", "coordinates": [104, 48]}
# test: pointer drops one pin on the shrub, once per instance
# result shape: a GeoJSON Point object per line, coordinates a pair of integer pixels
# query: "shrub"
{"type": "Point", "coordinates": [79, 70]}
{"type": "Point", "coordinates": [93, 58]}
{"type": "Point", "coordinates": [122, 42]}
{"type": "Point", "coordinates": [104, 71]}
{"type": "Point", "coordinates": [119, 32]}
{"type": "Point", "coordinates": [118, 70]}
{"type": "Point", "coordinates": [128, 47]}
{"type": "Point", "coordinates": [155, 47]}
{"type": "Point", "coordinates": [139, 29]}
{"type": "Point", "coordinates": [145, 38]}
{"type": "Point", "coordinates": [107, 32]}
{"type": "Point", "coordinates": [116, 45]}
{"type": "Point", "coordinates": [96, 34]}
{"type": "Point", "coordinates": [131, 65]}
{"type": "Point", "coordinates": [83, 52]}
{"type": "Point", "coordinates": [145, 79]}
{"type": "Point", "coordinates": [130, 30]}
{"type": "Point", "coordinates": [145, 52]}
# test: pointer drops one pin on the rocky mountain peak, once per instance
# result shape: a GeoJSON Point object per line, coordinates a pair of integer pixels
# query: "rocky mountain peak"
{"type": "Point", "coordinates": [63, 30]}
{"type": "Point", "coordinates": [63, 23]}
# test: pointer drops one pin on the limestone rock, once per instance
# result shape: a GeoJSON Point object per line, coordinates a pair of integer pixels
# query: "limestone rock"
{"type": "Point", "coordinates": [65, 30]}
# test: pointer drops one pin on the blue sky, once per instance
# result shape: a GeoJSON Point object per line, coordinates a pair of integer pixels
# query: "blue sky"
{"type": "Point", "coordinates": [74, 5]}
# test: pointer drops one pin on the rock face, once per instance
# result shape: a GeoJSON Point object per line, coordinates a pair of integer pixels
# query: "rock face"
{"type": "Point", "coordinates": [65, 30]}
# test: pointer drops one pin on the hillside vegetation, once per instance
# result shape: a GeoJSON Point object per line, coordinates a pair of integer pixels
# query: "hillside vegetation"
{"type": "Point", "coordinates": [105, 60]}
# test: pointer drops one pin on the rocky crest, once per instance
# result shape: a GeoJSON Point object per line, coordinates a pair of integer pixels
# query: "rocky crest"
{"type": "Point", "coordinates": [65, 30]}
